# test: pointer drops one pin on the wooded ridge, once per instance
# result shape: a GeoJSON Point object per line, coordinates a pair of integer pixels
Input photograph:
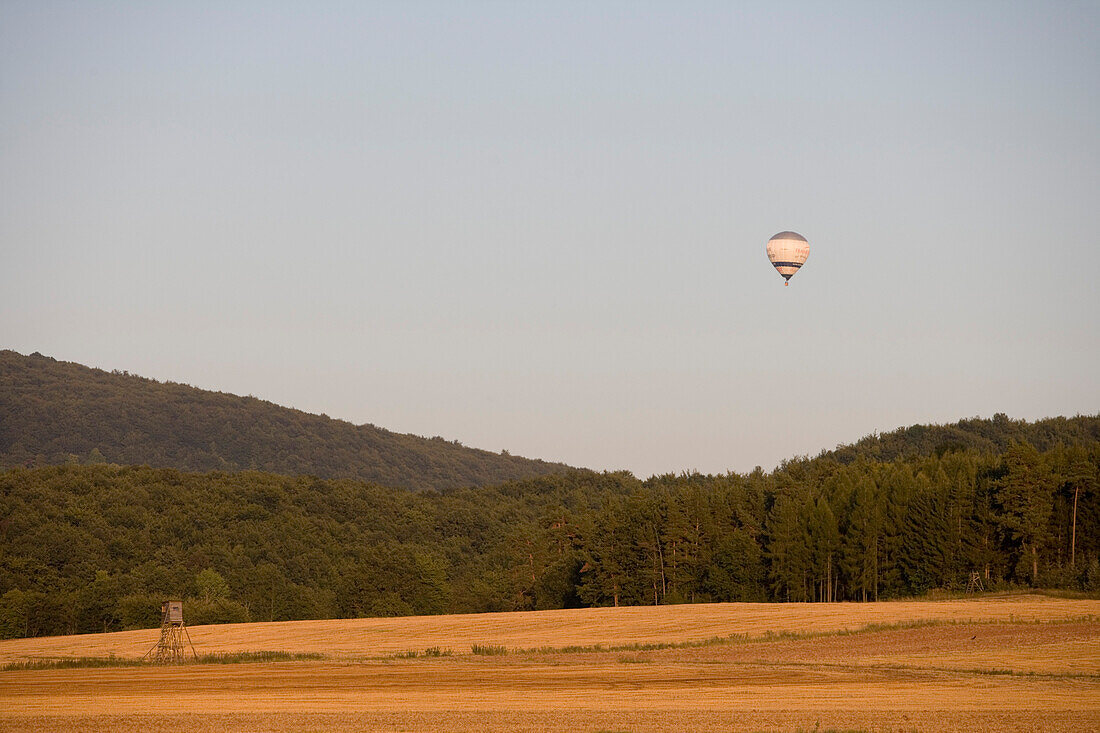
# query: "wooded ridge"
{"type": "Point", "coordinates": [54, 412]}
{"type": "Point", "coordinates": [96, 547]}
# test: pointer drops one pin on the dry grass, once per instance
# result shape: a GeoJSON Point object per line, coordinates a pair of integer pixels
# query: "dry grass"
{"type": "Point", "coordinates": [609, 627]}
{"type": "Point", "coordinates": [1022, 664]}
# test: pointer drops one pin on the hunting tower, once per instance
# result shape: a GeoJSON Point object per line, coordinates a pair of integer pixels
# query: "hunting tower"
{"type": "Point", "coordinates": [170, 649]}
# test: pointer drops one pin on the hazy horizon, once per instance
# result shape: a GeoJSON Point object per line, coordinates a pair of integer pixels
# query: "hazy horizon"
{"type": "Point", "coordinates": [542, 228]}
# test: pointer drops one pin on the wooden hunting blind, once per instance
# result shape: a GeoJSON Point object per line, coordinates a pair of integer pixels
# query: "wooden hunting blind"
{"type": "Point", "coordinates": [170, 647]}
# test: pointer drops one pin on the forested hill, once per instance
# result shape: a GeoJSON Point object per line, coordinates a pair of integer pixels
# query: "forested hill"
{"type": "Point", "coordinates": [54, 412]}
{"type": "Point", "coordinates": [988, 436]}
{"type": "Point", "coordinates": [96, 548]}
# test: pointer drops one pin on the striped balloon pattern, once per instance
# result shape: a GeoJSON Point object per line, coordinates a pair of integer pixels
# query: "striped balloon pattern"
{"type": "Point", "coordinates": [788, 252]}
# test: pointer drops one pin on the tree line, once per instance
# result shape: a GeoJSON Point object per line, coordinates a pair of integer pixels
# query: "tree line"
{"type": "Point", "coordinates": [87, 548]}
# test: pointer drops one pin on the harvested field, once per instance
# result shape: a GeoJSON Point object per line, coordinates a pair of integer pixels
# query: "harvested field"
{"type": "Point", "coordinates": [1013, 663]}
{"type": "Point", "coordinates": [360, 638]}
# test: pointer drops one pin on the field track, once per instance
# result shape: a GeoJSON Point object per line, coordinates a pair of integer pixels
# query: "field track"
{"type": "Point", "coordinates": [1009, 663]}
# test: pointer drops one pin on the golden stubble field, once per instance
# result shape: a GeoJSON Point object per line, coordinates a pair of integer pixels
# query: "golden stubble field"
{"type": "Point", "coordinates": [1007, 663]}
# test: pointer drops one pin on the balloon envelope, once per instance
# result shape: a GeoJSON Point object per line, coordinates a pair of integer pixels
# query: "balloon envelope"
{"type": "Point", "coordinates": [788, 252]}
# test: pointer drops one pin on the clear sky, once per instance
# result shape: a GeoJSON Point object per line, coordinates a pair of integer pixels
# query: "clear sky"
{"type": "Point", "coordinates": [541, 226]}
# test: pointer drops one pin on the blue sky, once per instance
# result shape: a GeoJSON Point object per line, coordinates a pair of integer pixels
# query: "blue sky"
{"type": "Point", "coordinates": [541, 226]}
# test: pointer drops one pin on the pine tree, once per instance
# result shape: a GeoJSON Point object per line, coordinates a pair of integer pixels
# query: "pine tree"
{"type": "Point", "coordinates": [824, 544]}
{"type": "Point", "coordinates": [861, 543]}
{"type": "Point", "coordinates": [788, 551]}
{"type": "Point", "coordinates": [1082, 477]}
{"type": "Point", "coordinates": [925, 538]}
{"type": "Point", "coordinates": [1025, 494]}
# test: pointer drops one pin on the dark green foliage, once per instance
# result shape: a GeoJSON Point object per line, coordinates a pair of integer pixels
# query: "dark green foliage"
{"type": "Point", "coordinates": [89, 548]}
{"type": "Point", "coordinates": [217, 611]}
{"type": "Point", "coordinates": [861, 544]}
{"type": "Point", "coordinates": [256, 546]}
{"type": "Point", "coordinates": [788, 550]}
{"type": "Point", "coordinates": [994, 435]}
{"type": "Point", "coordinates": [925, 543]}
{"type": "Point", "coordinates": [1024, 495]}
{"type": "Point", "coordinates": [138, 611]}
{"type": "Point", "coordinates": [736, 569]}
{"type": "Point", "coordinates": [823, 536]}
{"type": "Point", "coordinates": [54, 413]}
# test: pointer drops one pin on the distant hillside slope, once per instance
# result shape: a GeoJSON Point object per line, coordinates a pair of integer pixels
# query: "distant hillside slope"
{"type": "Point", "coordinates": [991, 436]}
{"type": "Point", "coordinates": [54, 412]}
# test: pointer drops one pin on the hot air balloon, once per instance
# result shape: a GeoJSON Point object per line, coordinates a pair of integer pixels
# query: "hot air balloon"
{"type": "Point", "coordinates": [788, 252]}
